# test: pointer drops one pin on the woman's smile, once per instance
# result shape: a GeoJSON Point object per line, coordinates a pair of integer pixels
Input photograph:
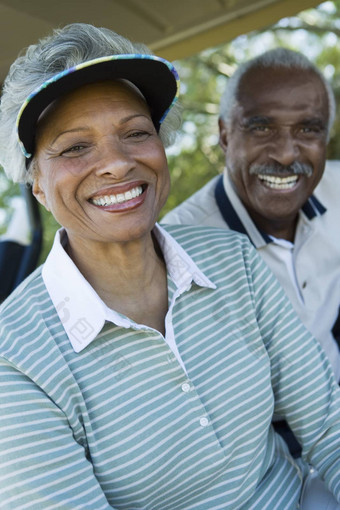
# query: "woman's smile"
{"type": "Point", "coordinates": [120, 200]}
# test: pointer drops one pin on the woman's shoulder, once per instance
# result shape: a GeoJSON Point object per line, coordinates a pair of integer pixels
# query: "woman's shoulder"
{"type": "Point", "coordinates": [20, 312]}
{"type": "Point", "coordinates": [196, 238]}
{"type": "Point", "coordinates": [23, 292]}
{"type": "Point", "coordinates": [215, 250]}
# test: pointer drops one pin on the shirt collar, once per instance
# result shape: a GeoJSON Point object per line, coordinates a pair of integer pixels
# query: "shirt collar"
{"type": "Point", "coordinates": [180, 266]}
{"type": "Point", "coordinates": [80, 309]}
{"type": "Point", "coordinates": [313, 207]}
{"type": "Point", "coordinates": [228, 203]}
{"type": "Point", "coordinates": [235, 214]}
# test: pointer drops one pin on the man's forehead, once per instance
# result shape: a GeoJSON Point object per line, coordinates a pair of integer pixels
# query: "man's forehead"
{"type": "Point", "coordinates": [272, 91]}
{"type": "Point", "coordinates": [262, 81]}
{"type": "Point", "coordinates": [279, 74]}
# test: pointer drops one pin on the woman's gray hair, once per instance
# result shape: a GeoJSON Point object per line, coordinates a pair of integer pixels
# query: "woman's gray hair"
{"type": "Point", "coordinates": [64, 48]}
{"type": "Point", "coordinates": [276, 58]}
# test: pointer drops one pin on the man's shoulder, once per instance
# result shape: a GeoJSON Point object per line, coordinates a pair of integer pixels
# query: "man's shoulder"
{"type": "Point", "coordinates": [197, 209]}
{"type": "Point", "coordinates": [328, 189]}
{"type": "Point", "coordinates": [332, 165]}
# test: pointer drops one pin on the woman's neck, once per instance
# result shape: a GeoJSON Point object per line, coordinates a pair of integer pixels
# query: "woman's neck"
{"type": "Point", "coordinates": [129, 277]}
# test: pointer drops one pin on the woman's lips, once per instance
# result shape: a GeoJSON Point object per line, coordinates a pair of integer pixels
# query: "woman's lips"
{"type": "Point", "coordinates": [117, 198]}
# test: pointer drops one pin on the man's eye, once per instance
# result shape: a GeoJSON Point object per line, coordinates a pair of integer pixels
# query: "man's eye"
{"type": "Point", "coordinates": [307, 130]}
{"type": "Point", "coordinates": [260, 129]}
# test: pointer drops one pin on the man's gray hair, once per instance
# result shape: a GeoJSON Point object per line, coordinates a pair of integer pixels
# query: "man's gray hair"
{"type": "Point", "coordinates": [276, 58]}
{"type": "Point", "coordinates": [64, 48]}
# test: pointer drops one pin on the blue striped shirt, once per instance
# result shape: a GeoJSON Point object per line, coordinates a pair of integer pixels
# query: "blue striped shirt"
{"type": "Point", "coordinates": [121, 425]}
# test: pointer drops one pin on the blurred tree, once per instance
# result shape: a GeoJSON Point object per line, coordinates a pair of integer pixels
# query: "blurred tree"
{"type": "Point", "coordinates": [7, 192]}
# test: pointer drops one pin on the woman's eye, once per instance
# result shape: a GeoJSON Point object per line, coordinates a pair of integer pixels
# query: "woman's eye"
{"type": "Point", "coordinates": [74, 150]}
{"type": "Point", "coordinates": [139, 135]}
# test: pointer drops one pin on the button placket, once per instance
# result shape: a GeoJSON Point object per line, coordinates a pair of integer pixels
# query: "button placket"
{"type": "Point", "coordinates": [187, 387]}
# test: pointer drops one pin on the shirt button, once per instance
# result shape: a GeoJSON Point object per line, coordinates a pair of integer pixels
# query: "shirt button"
{"type": "Point", "coordinates": [204, 422]}
{"type": "Point", "coordinates": [170, 358]}
{"type": "Point", "coordinates": [304, 285]}
{"type": "Point", "coordinates": [186, 387]}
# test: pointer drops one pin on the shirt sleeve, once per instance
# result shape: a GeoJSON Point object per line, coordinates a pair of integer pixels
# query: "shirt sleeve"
{"type": "Point", "coordinates": [42, 466]}
{"type": "Point", "coordinates": [305, 390]}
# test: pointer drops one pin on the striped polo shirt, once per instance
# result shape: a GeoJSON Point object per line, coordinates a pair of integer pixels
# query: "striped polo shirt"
{"type": "Point", "coordinates": [126, 423]}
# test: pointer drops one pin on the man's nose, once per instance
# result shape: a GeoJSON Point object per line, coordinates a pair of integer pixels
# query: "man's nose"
{"type": "Point", "coordinates": [284, 149]}
{"type": "Point", "coordinates": [115, 160]}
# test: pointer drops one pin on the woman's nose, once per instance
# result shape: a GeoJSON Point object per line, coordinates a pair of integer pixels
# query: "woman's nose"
{"type": "Point", "coordinates": [115, 160]}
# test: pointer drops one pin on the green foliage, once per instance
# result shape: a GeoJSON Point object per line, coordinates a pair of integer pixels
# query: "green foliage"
{"type": "Point", "coordinates": [50, 226]}
{"type": "Point", "coordinates": [8, 190]}
{"type": "Point", "coordinates": [190, 172]}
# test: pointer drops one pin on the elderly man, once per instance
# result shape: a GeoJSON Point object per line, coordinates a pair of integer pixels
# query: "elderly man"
{"type": "Point", "coordinates": [275, 118]}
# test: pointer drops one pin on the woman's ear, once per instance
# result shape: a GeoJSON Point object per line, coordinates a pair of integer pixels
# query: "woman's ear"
{"type": "Point", "coordinates": [223, 140]}
{"type": "Point", "coordinates": [38, 191]}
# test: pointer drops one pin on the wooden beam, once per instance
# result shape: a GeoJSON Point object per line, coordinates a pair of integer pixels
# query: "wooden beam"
{"type": "Point", "coordinates": [186, 44]}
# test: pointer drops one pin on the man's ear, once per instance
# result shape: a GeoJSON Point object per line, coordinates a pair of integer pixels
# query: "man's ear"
{"type": "Point", "coordinates": [38, 192]}
{"type": "Point", "coordinates": [223, 140]}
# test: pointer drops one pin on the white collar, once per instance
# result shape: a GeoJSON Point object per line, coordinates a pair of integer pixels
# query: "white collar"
{"type": "Point", "coordinates": [250, 228]}
{"type": "Point", "coordinates": [80, 309]}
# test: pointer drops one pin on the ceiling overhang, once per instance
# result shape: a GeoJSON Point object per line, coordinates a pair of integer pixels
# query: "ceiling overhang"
{"type": "Point", "coordinates": [171, 28]}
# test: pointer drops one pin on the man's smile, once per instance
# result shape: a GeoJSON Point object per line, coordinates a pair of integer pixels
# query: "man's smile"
{"type": "Point", "coordinates": [276, 182]}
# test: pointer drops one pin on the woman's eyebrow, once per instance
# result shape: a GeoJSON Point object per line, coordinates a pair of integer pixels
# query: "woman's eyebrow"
{"type": "Point", "coordinates": [123, 120]}
{"type": "Point", "coordinates": [66, 131]}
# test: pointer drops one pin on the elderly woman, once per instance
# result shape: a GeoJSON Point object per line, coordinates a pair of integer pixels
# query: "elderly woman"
{"type": "Point", "coordinates": [141, 367]}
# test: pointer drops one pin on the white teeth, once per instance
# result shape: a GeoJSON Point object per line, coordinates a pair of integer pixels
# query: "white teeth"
{"type": "Point", "coordinates": [119, 198]}
{"type": "Point", "coordinates": [276, 182]}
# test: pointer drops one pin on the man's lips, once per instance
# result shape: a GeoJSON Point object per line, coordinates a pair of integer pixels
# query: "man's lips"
{"type": "Point", "coordinates": [279, 183]}
{"type": "Point", "coordinates": [117, 198]}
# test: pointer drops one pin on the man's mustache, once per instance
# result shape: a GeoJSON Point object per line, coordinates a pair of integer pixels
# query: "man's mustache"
{"type": "Point", "coordinates": [276, 169]}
